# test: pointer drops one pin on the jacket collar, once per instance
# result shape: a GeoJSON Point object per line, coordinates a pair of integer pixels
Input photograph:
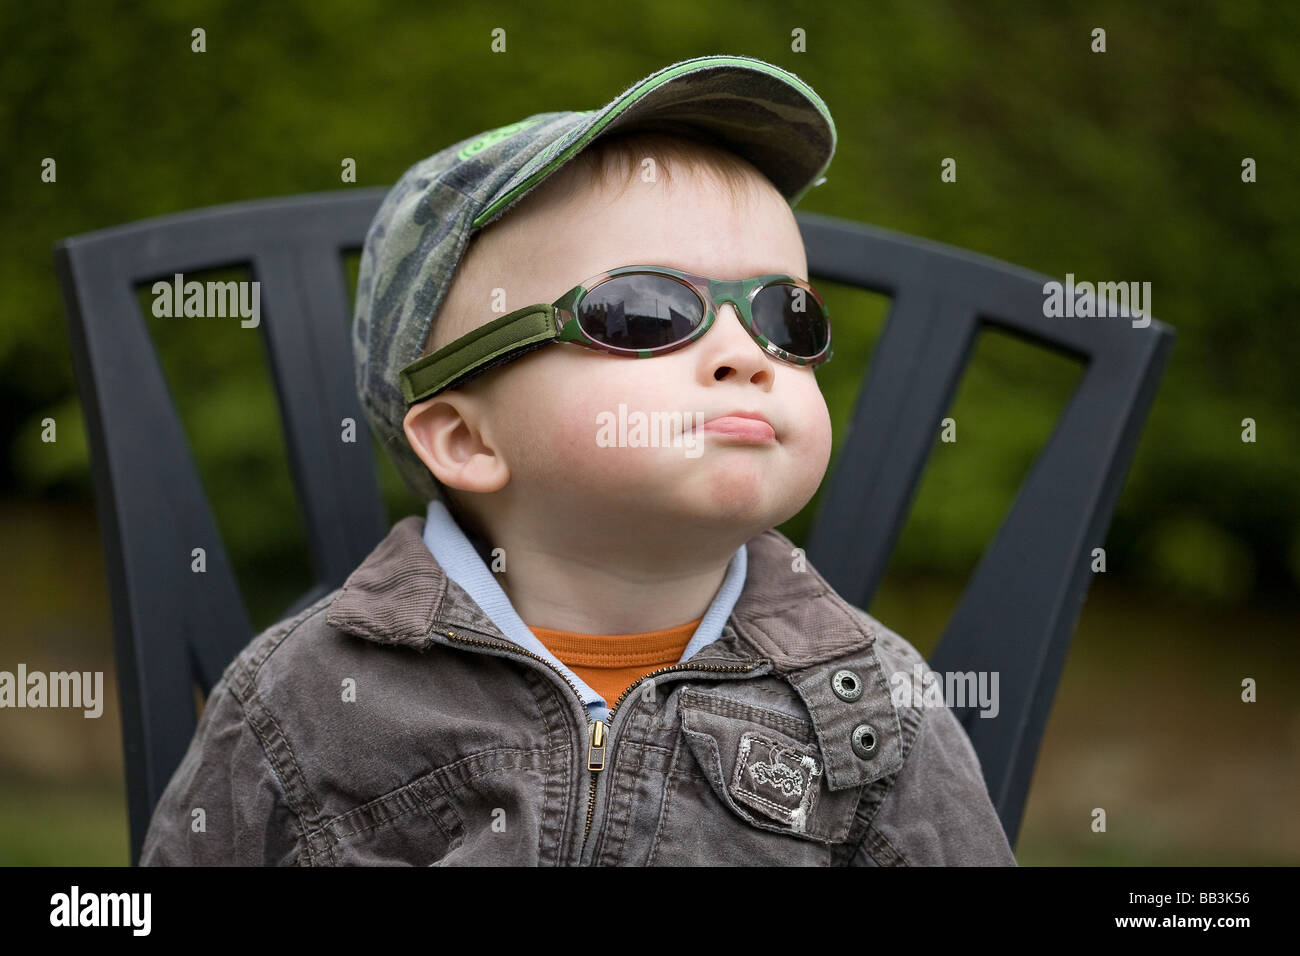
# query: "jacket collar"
{"type": "Point", "coordinates": [786, 614]}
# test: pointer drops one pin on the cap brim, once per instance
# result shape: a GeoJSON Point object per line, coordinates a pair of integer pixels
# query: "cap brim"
{"type": "Point", "coordinates": [759, 111]}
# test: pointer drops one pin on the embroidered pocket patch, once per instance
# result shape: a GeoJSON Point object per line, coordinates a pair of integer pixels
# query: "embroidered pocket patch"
{"type": "Point", "coordinates": [777, 780]}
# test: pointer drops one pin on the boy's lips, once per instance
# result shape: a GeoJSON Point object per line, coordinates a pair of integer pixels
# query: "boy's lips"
{"type": "Point", "coordinates": [741, 424]}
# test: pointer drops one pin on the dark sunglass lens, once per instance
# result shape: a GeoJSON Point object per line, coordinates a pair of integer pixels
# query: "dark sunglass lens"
{"type": "Point", "coordinates": [640, 312]}
{"type": "Point", "coordinates": [791, 319]}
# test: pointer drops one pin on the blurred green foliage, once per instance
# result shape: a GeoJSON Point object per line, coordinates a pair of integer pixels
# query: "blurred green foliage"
{"type": "Point", "coordinates": [1124, 165]}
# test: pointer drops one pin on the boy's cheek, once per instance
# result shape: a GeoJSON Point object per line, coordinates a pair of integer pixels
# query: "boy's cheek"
{"type": "Point", "coordinates": [815, 427]}
{"type": "Point", "coordinates": [584, 446]}
{"type": "Point", "coordinates": [559, 443]}
{"type": "Point", "coordinates": [818, 460]}
{"type": "Point", "coordinates": [823, 432]}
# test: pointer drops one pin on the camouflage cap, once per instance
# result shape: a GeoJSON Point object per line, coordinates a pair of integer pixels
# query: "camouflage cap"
{"type": "Point", "coordinates": [765, 114]}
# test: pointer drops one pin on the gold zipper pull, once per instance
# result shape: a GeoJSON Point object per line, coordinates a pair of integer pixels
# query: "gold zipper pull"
{"type": "Point", "coordinates": [596, 750]}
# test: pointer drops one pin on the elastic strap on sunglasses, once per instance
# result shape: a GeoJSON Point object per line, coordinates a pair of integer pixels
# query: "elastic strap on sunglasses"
{"type": "Point", "coordinates": [499, 341]}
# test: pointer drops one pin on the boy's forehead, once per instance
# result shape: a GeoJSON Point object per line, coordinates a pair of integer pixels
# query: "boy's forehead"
{"type": "Point", "coordinates": [691, 225]}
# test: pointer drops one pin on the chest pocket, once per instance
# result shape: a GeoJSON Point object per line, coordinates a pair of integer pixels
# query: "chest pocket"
{"type": "Point", "coordinates": [748, 787]}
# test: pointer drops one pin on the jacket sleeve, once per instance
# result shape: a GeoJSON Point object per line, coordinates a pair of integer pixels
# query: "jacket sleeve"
{"type": "Point", "coordinates": [938, 811]}
{"type": "Point", "coordinates": [224, 805]}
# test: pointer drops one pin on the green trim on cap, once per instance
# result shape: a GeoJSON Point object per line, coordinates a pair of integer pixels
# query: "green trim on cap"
{"type": "Point", "coordinates": [640, 91]}
{"type": "Point", "coordinates": [485, 347]}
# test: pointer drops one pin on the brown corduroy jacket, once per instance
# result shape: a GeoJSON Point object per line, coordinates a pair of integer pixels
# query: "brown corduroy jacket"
{"type": "Point", "coordinates": [393, 723]}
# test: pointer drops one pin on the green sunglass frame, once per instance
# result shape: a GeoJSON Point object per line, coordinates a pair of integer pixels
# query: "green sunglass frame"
{"type": "Point", "coordinates": [517, 333]}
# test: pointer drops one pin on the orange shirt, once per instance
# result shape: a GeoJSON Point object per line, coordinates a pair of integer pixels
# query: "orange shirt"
{"type": "Point", "coordinates": [611, 663]}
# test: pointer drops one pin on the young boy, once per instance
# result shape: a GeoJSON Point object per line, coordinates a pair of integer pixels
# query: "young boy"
{"type": "Point", "coordinates": [594, 649]}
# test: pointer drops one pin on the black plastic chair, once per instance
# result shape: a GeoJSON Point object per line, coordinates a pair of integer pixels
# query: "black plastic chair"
{"type": "Point", "coordinates": [1016, 616]}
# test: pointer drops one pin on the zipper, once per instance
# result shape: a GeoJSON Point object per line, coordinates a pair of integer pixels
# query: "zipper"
{"type": "Point", "coordinates": [596, 758]}
{"type": "Point", "coordinates": [598, 730]}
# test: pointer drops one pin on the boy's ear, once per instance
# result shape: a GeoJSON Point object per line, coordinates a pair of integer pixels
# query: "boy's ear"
{"type": "Point", "coordinates": [445, 432]}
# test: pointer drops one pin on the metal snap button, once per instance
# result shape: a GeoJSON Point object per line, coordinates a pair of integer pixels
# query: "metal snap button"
{"type": "Point", "coordinates": [865, 741]}
{"type": "Point", "coordinates": [847, 685]}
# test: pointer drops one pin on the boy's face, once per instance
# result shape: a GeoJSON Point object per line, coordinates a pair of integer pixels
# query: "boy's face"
{"type": "Point", "coordinates": [528, 436]}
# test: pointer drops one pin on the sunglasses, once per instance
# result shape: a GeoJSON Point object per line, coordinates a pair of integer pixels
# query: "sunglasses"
{"type": "Point", "coordinates": [637, 312]}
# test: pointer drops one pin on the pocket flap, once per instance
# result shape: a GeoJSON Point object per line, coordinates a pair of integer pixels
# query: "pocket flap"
{"type": "Point", "coordinates": [767, 767]}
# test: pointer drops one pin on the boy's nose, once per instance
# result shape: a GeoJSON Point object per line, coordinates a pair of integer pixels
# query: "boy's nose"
{"type": "Point", "coordinates": [733, 345]}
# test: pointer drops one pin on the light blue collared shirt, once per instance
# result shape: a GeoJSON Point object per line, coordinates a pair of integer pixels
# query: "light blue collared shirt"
{"type": "Point", "coordinates": [452, 549]}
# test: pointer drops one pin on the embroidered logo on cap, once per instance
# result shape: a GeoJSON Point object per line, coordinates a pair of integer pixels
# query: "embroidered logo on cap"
{"type": "Point", "coordinates": [777, 780]}
{"type": "Point", "coordinates": [492, 137]}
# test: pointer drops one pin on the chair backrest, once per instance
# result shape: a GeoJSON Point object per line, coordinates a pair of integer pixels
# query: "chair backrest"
{"type": "Point", "coordinates": [1019, 609]}
{"type": "Point", "coordinates": [173, 628]}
